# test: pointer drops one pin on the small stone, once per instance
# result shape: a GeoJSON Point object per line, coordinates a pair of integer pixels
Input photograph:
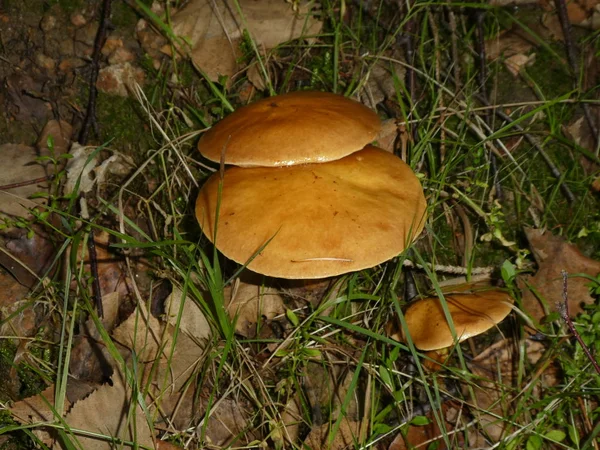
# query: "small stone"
{"type": "Point", "coordinates": [48, 23]}
{"type": "Point", "coordinates": [116, 78]}
{"type": "Point", "coordinates": [78, 19]}
{"type": "Point", "coordinates": [87, 34]}
{"type": "Point", "coordinates": [111, 45]}
{"type": "Point", "coordinates": [68, 64]}
{"type": "Point", "coordinates": [121, 55]}
{"type": "Point", "coordinates": [45, 62]}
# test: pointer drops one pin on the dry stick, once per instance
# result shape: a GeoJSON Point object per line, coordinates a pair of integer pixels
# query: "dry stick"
{"type": "Point", "coordinates": [94, 269]}
{"type": "Point", "coordinates": [90, 117]}
{"type": "Point", "coordinates": [563, 309]}
{"type": "Point", "coordinates": [482, 76]}
{"type": "Point", "coordinates": [7, 187]}
{"type": "Point", "coordinates": [565, 24]}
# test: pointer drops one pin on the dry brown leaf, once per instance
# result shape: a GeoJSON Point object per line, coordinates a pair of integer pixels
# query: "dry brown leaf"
{"type": "Point", "coordinates": [386, 139]}
{"type": "Point", "coordinates": [380, 82]}
{"type": "Point", "coordinates": [508, 43]}
{"type": "Point", "coordinates": [93, 172]}
{"type": "Point", "coordinates": [553, 255]}
{"type": "Point", "coordinates": [213, 30]}
{"type": "Point", "coordinates": [346, 437]}
{"type": "Point", "coordinates": [142, 333]}
{"type": "Point", "coordinates": [188, 314]}
{"type": "Point", "coordinates": [227, 422]}
{"type": "Point", "coordinates": [23, 167]}
{"type": "Point", "coordinates": [249, 302]}
{"type": "Point", "coordinates": [515, 63]}
{"type": "Point", "coordinates": [38, 409]}
{"type": "Point", "coordinates": [31, 257]}
{"type": "Point", "coordinates": [581, 134]}
{"type": "Point", "coordinates": [61, 132]}
{"type": "Point", "coordinates": [111, 411]}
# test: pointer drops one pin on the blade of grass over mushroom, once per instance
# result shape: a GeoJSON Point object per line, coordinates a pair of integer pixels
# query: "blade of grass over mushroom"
{"type": "Point", "coordinates": [257, 54]}
{"type": "Point", "coordinates": [413, 350]}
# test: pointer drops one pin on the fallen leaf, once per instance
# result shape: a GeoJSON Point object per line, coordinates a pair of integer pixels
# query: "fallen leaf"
{"type": "Point", "coordinates": [508, 43]}
{"type": "Point", "coordinates": [227, 422]}
{"type": "Point", "coordinates": [515, 63]}
{"type": "Point", "coordinates": [381, 83]}
{"type": "Point", "coordinates": [187, 313]}
{"type": "Point", "coordinates": [61, 132]}
{"type": "Point", "coordinates": [386, 138]}
{"type": "Point", "coordinates": [23, 168]}
{"type": "Point", "coordinates": [346, 437]}
{"type": "Point", "coordinates": [249, 302]}
{"type": "Point", "coordinates": [544, 290]}
{"type": "Point", "coordinates": [29, 258]}
{"type": "Point", "coordinates": [36, 409]}
{"type": "Point", "coordinates": [213, 31]}
{"type": "Point", "coordinates": [112, 411]}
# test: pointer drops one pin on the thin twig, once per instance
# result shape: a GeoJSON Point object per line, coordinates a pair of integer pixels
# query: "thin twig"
{"type": "Point", "coordinates": [563, 309]}
{"type": "Point", "coordinates": [97, 293]}
{"type": "Point", "coordinates": [90, 116]}
{"type": "Point", "coordinates": [7, 187]}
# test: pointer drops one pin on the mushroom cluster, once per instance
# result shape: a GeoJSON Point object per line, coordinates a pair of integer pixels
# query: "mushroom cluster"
{"type": "Point", "coordinates": [307, 196]}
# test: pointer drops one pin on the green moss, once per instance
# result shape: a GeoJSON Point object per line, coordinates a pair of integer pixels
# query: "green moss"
{"type": "Point", "coordinates": [123, 16]}
{"type": "Point", "coordinates": [121, 122]}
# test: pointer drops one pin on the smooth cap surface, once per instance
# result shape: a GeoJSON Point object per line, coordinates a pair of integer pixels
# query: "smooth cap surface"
{"type": "Point", "coordinates": [295, 128]}
{"type": "Point", "coordinates": [472, 314]}
{"type": "Point", "coordinates": [315, 220]}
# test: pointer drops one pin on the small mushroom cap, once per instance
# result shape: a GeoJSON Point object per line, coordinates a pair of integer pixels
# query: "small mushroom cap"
{"type": "Point", "coordinates": [315, 220]}
{"type": "Point", "coordinates": [295, 128]}
{"type": "Point", "coordinates": [472, 314]}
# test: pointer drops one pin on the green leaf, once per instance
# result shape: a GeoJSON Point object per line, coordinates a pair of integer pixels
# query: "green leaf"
{"type": "Point", "coordinates": [555, 435]}
{"type": "Point", "coordinates": [508, 272]}
{"type": "Point", "coordinates": [385, 376]}
{"type": "Point", "coordinates": [420, 421]}
{"type": "Point", "coordinates": [534, 443]}
{"type": "Point", "coordinates": [573, 435]}
{"type": "Point", "coordinates": [292, 317]}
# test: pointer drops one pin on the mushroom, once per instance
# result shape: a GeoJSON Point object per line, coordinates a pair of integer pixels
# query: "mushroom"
{"type": "Point", "coordinates": [472, 314]}
{"type": "Point", "coordinates": [314, 220]}
{"type": "Point", "coordinates": [295, 128]}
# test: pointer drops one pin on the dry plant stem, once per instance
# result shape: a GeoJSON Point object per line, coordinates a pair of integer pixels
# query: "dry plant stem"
{"type": "Point", "coordinates": [7, 187]}
{"type": "Point", "coordinates": [586, 420]}
{"type": "Point", "coordinates": [90, 115]}
{"type": "Point", "coordinates": [94, 269]}
{"type": "Point", "coordinates": [563, 309]}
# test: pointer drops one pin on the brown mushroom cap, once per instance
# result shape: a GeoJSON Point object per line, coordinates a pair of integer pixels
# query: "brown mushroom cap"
{"type": "Point", "coordinates": [317, 220]}
{"type": "Point", "coordinates": [472, 314]}
{"type": "Point", "coordinates": [296, 128]}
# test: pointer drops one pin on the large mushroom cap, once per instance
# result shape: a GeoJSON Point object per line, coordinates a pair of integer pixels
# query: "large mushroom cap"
{"type": "Point", "coordinates": [472, 314]}
{"type": "Point", "coordinates": [296, 128]}
{"type": "Point", "coordinates": [317, 220]}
